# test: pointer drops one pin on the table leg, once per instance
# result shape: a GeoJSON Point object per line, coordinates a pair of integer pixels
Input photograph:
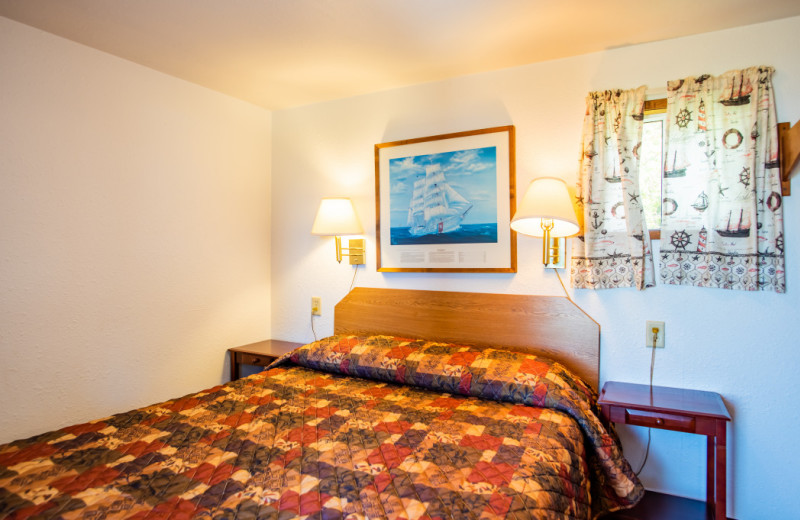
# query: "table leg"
{"type": "Point", "coordinates": [710, 476]}
{"type": "Point", "coordinates": [234, 367]}
{"type": "Point", "coordinates": [716, 473]}
{"type": "Point", "coordinates": [720, 471]}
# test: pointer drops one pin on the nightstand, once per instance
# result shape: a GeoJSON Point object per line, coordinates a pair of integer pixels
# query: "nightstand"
{"type": "Point", "coordinates": [677, 409]}
{"type": "Point", "coordinates": [260, 354]}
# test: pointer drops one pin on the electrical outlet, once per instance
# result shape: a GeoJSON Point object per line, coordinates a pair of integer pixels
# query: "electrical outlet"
{"type": "Point", "coordinates": [658, 333]}
{"type": "Point", "coordinates": [316, 306]}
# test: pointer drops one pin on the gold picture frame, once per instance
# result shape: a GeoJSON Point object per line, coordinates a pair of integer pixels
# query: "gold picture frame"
{"type": "Point", "coordinates": [444, 203]}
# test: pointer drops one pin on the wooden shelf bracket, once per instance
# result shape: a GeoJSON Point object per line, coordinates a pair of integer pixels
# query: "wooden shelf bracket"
{"type": "Point", "coordinates": [789, 139]}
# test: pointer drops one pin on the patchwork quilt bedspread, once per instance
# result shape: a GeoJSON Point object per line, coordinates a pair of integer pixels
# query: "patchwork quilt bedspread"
{"type": "Point", "coordinates": [347, 427]}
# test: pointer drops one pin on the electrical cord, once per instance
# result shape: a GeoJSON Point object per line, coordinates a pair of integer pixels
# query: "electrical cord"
{"type": "Point", "coordinates": [562, 285]}
{"type": "Point", "coordinates": [653, 358]}
{"type": "Point", "coordinates": [353, 281]}
{"type": "Point", "coordinates": [650, 430]}
{"type": "Point", "coordinates": [652, 366]}
{"type": "Point", "coordinates": [646, 452]}
{"type": "Point", "coordinates": [569, 297]}
{"type": "Point", "coordinates": [312, 326]}
{"type": "Point", "coordinates": [355, 271]}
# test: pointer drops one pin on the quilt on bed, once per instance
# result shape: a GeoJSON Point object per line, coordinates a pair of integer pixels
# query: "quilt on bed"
{"type": "Point", "coordinates": [345, 427]}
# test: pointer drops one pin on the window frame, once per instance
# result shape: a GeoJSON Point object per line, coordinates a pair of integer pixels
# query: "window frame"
{"type": "Point", "coordinates": [652, 107]}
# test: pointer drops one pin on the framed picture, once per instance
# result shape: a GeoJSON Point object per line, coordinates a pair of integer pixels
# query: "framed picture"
{"type": "Point", "coordinates": [444, 203]}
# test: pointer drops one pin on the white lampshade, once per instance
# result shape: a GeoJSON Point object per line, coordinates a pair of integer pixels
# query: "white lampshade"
{"type": "Point", "coordinates": [546, 198]}
{"type": "Point", "coordinates": [336, 216]}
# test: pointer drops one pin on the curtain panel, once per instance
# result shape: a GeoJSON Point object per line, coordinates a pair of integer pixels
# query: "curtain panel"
{"type": "Point", "coordinates": [722, 214]}
{"type": "Point", "coordinates": [613, 247]}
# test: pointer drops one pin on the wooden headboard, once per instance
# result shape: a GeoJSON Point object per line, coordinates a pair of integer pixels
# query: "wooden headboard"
{"type": "Point", "coordinates": [552, 326]}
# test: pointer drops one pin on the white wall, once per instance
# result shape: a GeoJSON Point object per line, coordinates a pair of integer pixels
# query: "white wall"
{"type": "Point", "coordinates": [134, 233]}
{"type": "Point", "coordinates": [741, 345]}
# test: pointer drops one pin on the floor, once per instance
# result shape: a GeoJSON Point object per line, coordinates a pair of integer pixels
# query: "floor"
{"type": "Point", "coordinates": [658, 506]}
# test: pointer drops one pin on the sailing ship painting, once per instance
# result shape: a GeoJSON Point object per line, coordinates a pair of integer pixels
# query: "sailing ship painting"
{"type": "Point", "coordinates": [435, 206]}
{"type": "Point", "coordinates": [445, 198]}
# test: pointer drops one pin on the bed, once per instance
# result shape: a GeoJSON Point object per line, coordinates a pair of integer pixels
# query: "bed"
{"type": "Point", "coordinates": [423, 405]}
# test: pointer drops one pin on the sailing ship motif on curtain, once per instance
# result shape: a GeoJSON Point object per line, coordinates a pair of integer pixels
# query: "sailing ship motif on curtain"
{"type": "Point", "coordinates": [675, 170]}
{"type": "Point", "coordinates": [701, 202]}
{"type": "Point", "coordinates": [730, 235]}
{"type": "Point", "coordinates": [740, 229]}
{"type": "Point", "coordinates": [734, 97]}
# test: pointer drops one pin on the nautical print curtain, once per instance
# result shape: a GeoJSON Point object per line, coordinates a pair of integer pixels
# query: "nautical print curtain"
{"type": "Point", "coordinates": [722, 217]}
{"type": "Point", "coordinates": [613, 248]}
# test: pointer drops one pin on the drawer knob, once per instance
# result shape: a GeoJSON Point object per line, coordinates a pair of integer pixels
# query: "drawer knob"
{"type": "Point", "coordinates": [659, 421]}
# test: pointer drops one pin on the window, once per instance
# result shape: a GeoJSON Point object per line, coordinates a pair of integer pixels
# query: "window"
{"type": "Point", "coordinates": [651, 163]}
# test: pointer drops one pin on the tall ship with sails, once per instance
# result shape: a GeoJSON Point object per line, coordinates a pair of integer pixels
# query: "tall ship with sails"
{"type": "Point", "coordinates": [435, 206]}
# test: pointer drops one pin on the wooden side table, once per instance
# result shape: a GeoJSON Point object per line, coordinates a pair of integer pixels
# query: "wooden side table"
{"type": "Point", "coordinates": [260, 354]}
{"type": "Point", "coordinates": [677, 409]}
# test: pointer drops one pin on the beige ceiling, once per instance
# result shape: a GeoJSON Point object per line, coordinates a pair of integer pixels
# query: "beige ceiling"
{"type": "Point", "coordinates": [286, 53]}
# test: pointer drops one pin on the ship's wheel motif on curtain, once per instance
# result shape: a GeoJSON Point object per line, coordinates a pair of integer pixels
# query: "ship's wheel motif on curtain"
{"type": "Point", "coordinates": [680, 239]}
{"type": "Point", "coordinates": [613, 248]}
{"type": "Point", "coordinates": [731, 235]}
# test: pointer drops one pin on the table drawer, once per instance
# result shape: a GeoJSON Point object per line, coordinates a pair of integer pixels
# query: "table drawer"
{"type": "Point", "coordinates": [261, 360]}
{"type": "Point", "coordinates": [659, 420]}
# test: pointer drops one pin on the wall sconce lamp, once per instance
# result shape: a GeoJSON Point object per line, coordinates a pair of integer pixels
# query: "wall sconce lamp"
{"type": "Point", "coordinates": [336, 217]}
{"type": "Point", "coordinates": [546, 211]}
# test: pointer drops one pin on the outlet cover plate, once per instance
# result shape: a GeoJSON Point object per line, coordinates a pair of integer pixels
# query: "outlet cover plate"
{"type": "Point", "coordinates": [649, 326]}
{"type": "Point", "coordinates": [316, 306]}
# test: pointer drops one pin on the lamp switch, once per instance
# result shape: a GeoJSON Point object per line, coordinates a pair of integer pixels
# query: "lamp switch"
{"type": "Point", "coordinates": [316, 306]}
{"type": "Point", "coordinates": [654, 330]}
